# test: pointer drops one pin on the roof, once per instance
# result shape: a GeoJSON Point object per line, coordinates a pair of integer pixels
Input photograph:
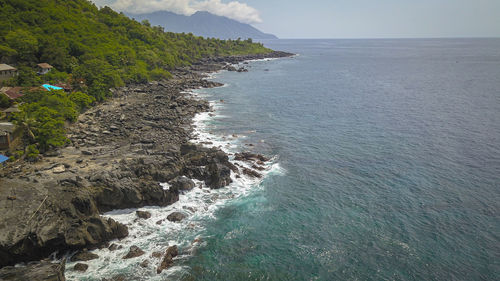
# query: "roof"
{"type": "Point", "coordinates": [64, 86]}
{"type": "Point", "coordinates": [12, 92]}
{"type": "Point", "coordinates": [6, 67]}
{"type": "Point", "coordinates": [3, 158]}
{"type": "Point", "coordinates": [50, 87]}
{"type": "Point", "coordinates": [44, 65]}
{"type": "Point", "coordinates": [12, 110]}
{"type": "Point", "coordinates": [7, 127]}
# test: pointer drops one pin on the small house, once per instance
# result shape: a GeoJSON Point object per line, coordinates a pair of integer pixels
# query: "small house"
{"type": "Point", "coordinates": [10, 135]}
{"type": "Point", "coordinates": [66, 87]}
{"type": "Point", "coordinates": [44, 68]}
{"type": "Point", "coordinates": [7, 72]}
{"type": "Point", "coordinates": [12, 93]}
{"type": "Point", "coordinates": [11, 110]}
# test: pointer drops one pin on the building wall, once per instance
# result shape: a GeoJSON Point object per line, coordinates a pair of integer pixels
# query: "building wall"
{"type": "Point", "coordinates": [43, 71]}
{"type": "Point", "coordinates": [7, 74]}
{"type": "Point", "coordinates": [11, 141]}
{"type": "Point", "coordinates": [5, 142]}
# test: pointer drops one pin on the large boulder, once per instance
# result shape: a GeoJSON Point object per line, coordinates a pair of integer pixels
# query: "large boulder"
{"type": "Point", "coordinates": [134, 252]}
{"type": "Point", "coordinates": [84, 256]}
{"type": "Point", "coordinates": [219, 175]}
{"type": "Point", "coordinates": [143, 214]}
{"type": "Point", "coordinates": [46, 218]}
{"type": "Point", "coordinates": [167, 261]}
{"type": "Point", "coordinates": [248, 156]}
{"type": "Point", "coordinates": [36, 271]}
{"type": "Point", "coordinates": [176, 217]}
{"type": "Point", "coordinates": [81, 267]}
{"type": "Point", "coordinates": [182, 183]}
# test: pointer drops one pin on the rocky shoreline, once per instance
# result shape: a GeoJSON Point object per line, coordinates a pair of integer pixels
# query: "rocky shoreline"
{"type": "Point", "coordinates": [120, 151]}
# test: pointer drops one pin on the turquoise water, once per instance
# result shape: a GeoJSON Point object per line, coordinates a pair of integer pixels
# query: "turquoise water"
{"type": "Point", "coordinates": [391, 153]}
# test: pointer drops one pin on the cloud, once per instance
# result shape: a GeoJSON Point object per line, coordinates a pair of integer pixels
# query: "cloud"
{"type": "Point", "coordinates": [233, 10]}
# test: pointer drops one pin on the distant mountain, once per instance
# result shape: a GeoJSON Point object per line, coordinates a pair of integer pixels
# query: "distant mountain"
{"type": "Point", "coordinates": [203, 24]}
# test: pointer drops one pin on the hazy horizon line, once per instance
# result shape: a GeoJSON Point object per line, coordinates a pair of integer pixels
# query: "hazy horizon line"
{"type": "Point", "coordinates": [382, 38]}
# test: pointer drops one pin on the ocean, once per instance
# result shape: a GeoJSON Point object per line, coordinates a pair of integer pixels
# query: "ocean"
{"type": "Point", "coordinates": [385, 166]}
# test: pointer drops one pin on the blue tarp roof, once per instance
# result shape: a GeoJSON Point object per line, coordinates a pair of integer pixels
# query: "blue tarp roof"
{"type": "Point", "coordinates": [50, 87]}
{"type": "Point", "coordinates": [3, 158]}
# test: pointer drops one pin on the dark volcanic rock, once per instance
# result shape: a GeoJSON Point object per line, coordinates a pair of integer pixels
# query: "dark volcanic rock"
{"type": "Point", "coordinates": [251, 173]}
{"type": "Point", "coordinates": [134, 252]}
{"type": "Point", "coordinates": [54, 218]}
{"type": "Point", "coordinates": [36, 271]}
{"type": "Point", "coordinates": [248, 156]}
{"type": "Point", "coordinates": [119, 277]}
{"type": "Point", "coordinates": [182, 183]}
{"type": "Point", "coordinates": [229, 68]}
{"type": "Point", "coordinates": [167, 261]}
{"type": "Point", "coordinates": [176, 217]}
{"type": "Point", "coordinates": [143, 214]}
{"type": "Point", "coordinates": [144, 263]}
{"type": "Point", "coordinates": [113, 247]}
{"type": "Point", "coordinates": [219, 175]}
{"type": "Point", "coordinates": [84, 256]}
{"type": "Point", "coordinates": [157, 255]}
{"type": "Point", "coordinates": [81, 267]}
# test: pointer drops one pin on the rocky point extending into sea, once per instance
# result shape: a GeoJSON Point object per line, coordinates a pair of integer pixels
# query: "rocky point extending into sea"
{"type": "Point", "coordinates": [120, 151]}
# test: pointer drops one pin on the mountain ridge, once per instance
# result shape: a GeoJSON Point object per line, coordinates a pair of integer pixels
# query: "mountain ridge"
{"type": "Point", "coordinates": [203, 24]}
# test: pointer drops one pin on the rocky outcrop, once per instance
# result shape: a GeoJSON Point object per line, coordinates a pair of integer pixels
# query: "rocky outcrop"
{"type": "Point", "coordinates": [84, 256]}
{"type": "Point", "coordinates": [144, 263]}
{"type": "Point", "coordinates": [207, 164]}
{"type": "Point", "coordinates": [134, 252]}
{"type": "Point", "coordinates": [119, 277]}
{"type": "Point", "coordinates": [35, 271]}
{"type": "Point", "coordinates": [219, 175]}
{"type": "Point", "coordinates": [250, 157]}
{"type": "Point", "coordinates": [143, 214]}
{"type": "Point", "coordinates": [167, 260]}
{"type": "Point", "coordinates": [47, 217]}
{"type": "Point", "coordinates": [182, 183]}
{"type": "Point", "coordinates": [81, 267]}
{"type": "Point", "coordinates": [176, 217]}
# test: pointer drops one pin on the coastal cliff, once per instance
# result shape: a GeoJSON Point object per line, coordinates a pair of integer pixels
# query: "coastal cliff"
{"type": "Point", "coordinates": [120, 152]}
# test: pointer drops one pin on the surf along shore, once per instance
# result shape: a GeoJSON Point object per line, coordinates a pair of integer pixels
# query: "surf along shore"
{"type": "Point", "coordinates": [120, 152]}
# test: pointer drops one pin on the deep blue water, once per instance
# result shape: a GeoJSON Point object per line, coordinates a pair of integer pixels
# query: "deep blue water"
{"type": "Point", "coordinates": [392, 157]}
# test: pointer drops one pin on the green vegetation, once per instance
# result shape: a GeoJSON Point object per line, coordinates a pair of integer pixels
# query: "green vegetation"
{"type": "Point", "coordinates": [44, 114]}
{"type": "Point", "coordinates": [32, 153]}
{"type": "Point", "coordinates": [4, 101]}
{"type": "Point", "coordinates": [93, 50]}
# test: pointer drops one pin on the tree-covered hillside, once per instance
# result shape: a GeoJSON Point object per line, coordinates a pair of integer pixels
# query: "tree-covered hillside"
{"type": "Point", "coordinates": [93, 50]}
{"type": "Point", "coordinates": [100, 46]}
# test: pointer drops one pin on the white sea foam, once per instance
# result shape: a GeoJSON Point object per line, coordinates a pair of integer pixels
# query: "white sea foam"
{"type": "Point", "coordinates": [259, 60]}
{"type": "Point", "coordinates": [199, 204]}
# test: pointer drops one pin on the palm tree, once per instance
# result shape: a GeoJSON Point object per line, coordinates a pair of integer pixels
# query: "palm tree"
{"type": "Point", "coordinates": [22, 120]}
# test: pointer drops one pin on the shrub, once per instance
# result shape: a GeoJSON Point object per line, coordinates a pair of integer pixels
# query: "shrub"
{"type": "Point", "coordinates": [4, 101]}
{"type": "Point", "coordinates": [159, 74]}
{"type": "Point", "coordinates": [82, 100]}
{"type": "Point", "coordinates": [32, 153]}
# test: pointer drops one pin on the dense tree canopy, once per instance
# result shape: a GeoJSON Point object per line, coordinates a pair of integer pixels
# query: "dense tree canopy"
{"type": "Point", "coordinates": [94, 50]}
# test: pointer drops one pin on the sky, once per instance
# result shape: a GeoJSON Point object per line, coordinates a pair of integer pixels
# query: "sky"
{"type": "Point", "coordinates": [343, 18]}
